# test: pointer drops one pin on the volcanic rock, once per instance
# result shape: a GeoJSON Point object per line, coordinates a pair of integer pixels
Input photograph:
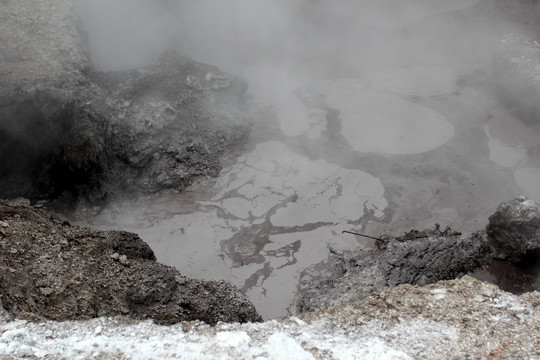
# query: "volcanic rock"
{"type": "Point", "coordinates": [514, 231]}
{"type": "Point", "coordinates": [66, 129]}
{"type": "Point", "coordinates": [50, 269]}
{"type": "Point", "coordinates": [417, 258]}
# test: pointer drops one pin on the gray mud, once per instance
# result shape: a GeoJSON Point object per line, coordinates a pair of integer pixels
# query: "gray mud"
{"type": "Point", "coordinates": [261, 234]}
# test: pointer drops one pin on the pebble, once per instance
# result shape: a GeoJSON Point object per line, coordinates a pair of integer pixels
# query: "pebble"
{"type": "Point", "coordinates": [123, 259]}
{"type": "Point", "coordinates": [487, 291]}
{"type": "Point", "coordinates": [3, 224]}
{"type": "Point", "coordinates": [46, 291]}
{"type": "Point", "coordinates": [479, 298]}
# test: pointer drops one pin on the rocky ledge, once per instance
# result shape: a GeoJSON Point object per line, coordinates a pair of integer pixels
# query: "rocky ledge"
{"type": "Point", "coordinates": [457, 319]}
{"type": "Point", "coordinates": [52, 270]}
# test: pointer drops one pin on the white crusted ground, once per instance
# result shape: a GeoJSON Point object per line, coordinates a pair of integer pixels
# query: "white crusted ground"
{"type": "Point", "coordinates": [455, 319]}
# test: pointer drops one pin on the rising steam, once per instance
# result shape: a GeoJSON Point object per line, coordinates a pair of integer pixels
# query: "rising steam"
{"type": "Point", "coordinates": [285, 46]}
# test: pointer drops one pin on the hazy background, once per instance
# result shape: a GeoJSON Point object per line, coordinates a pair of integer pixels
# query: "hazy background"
{"type": "Point", "coordinates": [284, 45]}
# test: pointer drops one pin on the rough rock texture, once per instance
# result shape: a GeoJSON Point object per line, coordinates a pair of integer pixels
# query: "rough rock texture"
{"type": "Point", "coordinates": [53, 270]}
{"type": "Point", "coordinates": [65, 128]}
{"type": "Point", "coordinates": [516, 70]}
{"type": "Point", "coordinates": [458, 319]}
{"type": "Point", "coordinates": [42, 86]}
{"type": "Point", "coordinates": [417, 258]}
{"type": "Point", "coordinates": [514, 231]}
{"type": "Point", "coordinates": [170, 121]}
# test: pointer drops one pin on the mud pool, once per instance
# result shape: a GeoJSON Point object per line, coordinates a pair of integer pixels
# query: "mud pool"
{"type": "Point", "coordinates": [380, 162]}
{"type": "Point", "coordinates": [381, 147]}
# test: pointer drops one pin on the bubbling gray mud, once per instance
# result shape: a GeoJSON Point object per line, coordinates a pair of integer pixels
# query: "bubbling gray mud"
{"type": "Point", "coordinates": [278, 207]}
{"type": "Point", "coordinates": [263, 221]}
{"type": "Point", "coordinates": [384, 140]}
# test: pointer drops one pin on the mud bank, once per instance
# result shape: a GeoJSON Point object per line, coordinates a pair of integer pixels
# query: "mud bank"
{"type": "Point", "coordinates": [52, 270]}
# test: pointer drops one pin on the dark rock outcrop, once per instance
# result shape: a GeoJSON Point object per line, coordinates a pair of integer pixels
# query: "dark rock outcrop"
{"type": "Point", "coordinates": [418, 258]}
{"type": "Point", "coordinates": [514, 231]}
{"type": "Point", "coordinates": [56, 271]}
{"type": "Point", "coordinates": [67, 129]}
{"type": "Point", "coordinates": [170, 122]}
{"type": "Point", "coordinates": [44, 127]}
{"type": "Point", "coordinates": [424, 257]}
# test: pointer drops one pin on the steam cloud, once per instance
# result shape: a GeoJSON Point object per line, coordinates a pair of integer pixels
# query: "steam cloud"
{"type": "Point", "coordinates": [283, 46]}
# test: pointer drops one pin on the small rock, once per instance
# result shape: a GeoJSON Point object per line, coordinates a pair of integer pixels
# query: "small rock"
{"type": "Point", "coordinates": [438, 291]}
{"type": "Point", "coordinates": [4, 224]}
{"type": "Point", "coordinates": [487, 292]}
{"type": "Point", "coordinates": [98, 330]}
{"type": "Point", "coordinates": [124, 310]}
{"type": "Point", "coordinates": [438, 294]}
{"type": "Point", "coordinates": [123, 259]}
{"type": "Point", "coordinates": [115, 256]}
{"type": "Point", "coordinates": [514, 230]}
{"type": "Point", "coordinates": [17, 334]}
{"type": "Point", "coordinates": [46, 291]}
{"type": "Point", "coordinates": [479, 298]}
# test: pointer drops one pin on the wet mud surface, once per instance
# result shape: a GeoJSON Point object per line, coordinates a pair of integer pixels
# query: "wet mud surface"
{"type": "Point", "coordinates": [356, 151]}
{"type": "Point", "coordinates": [280, 203]}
